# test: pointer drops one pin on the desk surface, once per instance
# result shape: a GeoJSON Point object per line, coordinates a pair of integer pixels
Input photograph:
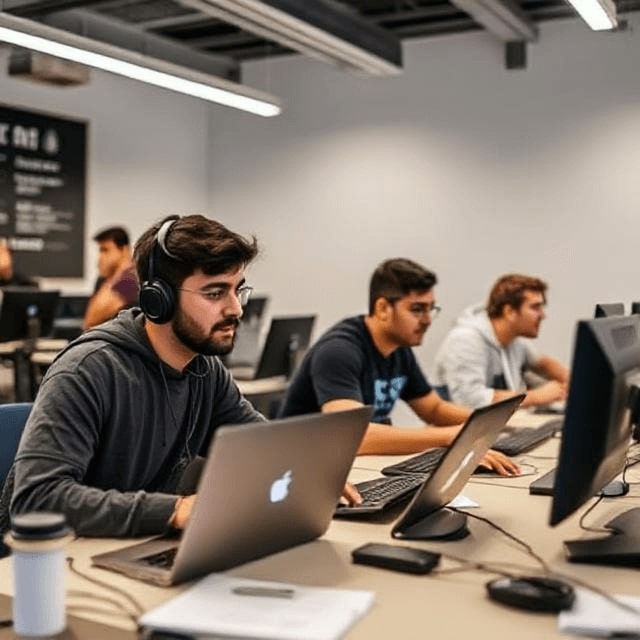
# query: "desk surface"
{"type": "Point", "coordinates": [447, 605]}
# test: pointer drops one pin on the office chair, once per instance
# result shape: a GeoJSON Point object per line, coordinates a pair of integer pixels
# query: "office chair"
{"type": "Point", "coordinates": [13, 417]}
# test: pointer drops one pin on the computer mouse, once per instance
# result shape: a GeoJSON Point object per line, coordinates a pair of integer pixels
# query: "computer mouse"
{"type": "Point", "coordinates": [482, 469]}
{"type": "Point", "coordinates": [534, 593]}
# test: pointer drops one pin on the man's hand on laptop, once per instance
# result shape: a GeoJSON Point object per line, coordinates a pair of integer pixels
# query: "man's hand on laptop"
{"type": "Point", "coordinates": [501, 464]}
{"type": "Point", "coordinates": [182, 511]}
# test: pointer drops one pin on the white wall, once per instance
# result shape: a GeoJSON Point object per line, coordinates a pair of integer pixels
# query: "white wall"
{"type": "Point", "coordinates": [459, 164]}
{"type": "Point", "coordinates": [466, 167]}
{"type": "Point", "coordinates": [147, 154]}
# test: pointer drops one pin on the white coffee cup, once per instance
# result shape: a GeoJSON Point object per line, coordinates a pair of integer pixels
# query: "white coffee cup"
{"type": "Point", "coordinates": [37, 541]}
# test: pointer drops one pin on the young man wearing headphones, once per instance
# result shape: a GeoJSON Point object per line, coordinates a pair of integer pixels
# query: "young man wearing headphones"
{"type": "Point", "coordinates": [127, 406]}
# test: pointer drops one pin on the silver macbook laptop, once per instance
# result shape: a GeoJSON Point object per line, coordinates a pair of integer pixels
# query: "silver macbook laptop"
{"type": "Point", "coordinates": [426, 517]}
{"type": "Point", "coordinates": [265, 487]}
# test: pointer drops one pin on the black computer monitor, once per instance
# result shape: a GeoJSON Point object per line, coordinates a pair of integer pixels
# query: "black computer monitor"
{"type": "Point", "coordinates": [635, 307]}
{"type": "Point", "coordinates": [69, 319]}
{"type": "Point", "coordinates": [608, 309]}
{"type": "Point", "coordinates": [246, 347]}
{"type": "Point", "coordinates": [253, 311]}
{"type": "Point", "coordinates": [286, 343]}
{"type": "Point", "coordinates": [72, 306]}
{"type": "Point", "coordinates": [26, 313]}
{"type": "Point", "coordinates": [605, 378]}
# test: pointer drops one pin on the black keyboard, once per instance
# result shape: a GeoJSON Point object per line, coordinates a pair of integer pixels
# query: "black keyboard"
{"type": "Point", "coordinates": [423, 464]}
{"type": "Point", "coordinates": [381, 493]}
{"type": "Point", "coordinates": [526, 438]}
{"type": "Point", "coordinates": [163, 559]}
{"type": "Point", "coordinates": [522, 440]}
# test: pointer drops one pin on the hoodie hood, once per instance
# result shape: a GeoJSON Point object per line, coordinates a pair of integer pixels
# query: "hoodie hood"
{"type": "Point", "coordinates": [126, 331]}
{"type": "Point", "coordinates": [475, 318]}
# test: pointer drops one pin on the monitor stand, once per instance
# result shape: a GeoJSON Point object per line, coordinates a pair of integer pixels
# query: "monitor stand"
{"type": "Point", "coordinates": [443, 524]}
{"type": "Point", "coordinates": [543, 486]}
{"type": "Point", "coordinates": [621, 548]}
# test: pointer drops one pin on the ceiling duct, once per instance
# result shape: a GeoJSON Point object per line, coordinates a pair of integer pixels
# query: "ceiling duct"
{"type": "Point", "coordinates": [503, 18]}
{"type": "Point", "coordinates": [38, 67]}
{"type": "Point", "coordinates": [35, 36]}
{"type": "Point", "coordinates": [320, 29]}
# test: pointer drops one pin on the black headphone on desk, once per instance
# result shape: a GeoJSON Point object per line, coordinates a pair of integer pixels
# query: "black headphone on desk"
{"type": "Point", "coordinates": [157, 297]}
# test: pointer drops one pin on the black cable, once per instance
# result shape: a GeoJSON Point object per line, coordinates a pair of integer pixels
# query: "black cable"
{"type": "Point", "coordinates": [527, 547]}
{"type": "Point", "coordinates": [607, 529]}
{"type": "Point", "coordinates": [122, 610]}
{"type": "Point", "coordinates": [139, 608]}
{"type": "Point", "coordinates": [581, 524]}
{"type": "Point", "coordinates": [72, 608]}
{"type": "Point", "coordinates": [545, 566]}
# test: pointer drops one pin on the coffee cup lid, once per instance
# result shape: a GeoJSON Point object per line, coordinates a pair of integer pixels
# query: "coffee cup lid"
{"type": "Point", "coordinates": [39, 525]}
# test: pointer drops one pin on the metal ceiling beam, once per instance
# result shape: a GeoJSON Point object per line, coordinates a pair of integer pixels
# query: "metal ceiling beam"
{"type": "Point", "coordinates": [125, 36]}
{"type": "Point", "coordinates": [171, 21]}
{"type": "Point", "coordinates": [35, 8]}
{"type": "Point", "coordinates": [318, 28]}
{"type": "Point", "coordinates": [503, 18]}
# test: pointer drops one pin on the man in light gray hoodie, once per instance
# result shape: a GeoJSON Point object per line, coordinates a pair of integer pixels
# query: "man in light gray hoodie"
{"type": "Point", "coordinates": [484, 357]}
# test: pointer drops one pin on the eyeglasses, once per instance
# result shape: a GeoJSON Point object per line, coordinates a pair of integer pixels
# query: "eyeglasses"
{"type": "Point", "coordinates": [419, 310]}
{"type": "Point", "coordinates": [220, 293]}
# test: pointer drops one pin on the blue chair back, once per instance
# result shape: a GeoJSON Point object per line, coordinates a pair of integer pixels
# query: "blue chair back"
{"type": "Point", "coordinates": [13, 417]}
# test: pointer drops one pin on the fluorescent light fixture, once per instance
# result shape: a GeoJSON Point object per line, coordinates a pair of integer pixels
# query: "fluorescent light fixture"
{"type": "Point", "coordinates": [68, 46]}
{"type": "Point", "coordinates": [600, 15]}
{"type": "Point", "coordinates": [315, 28]}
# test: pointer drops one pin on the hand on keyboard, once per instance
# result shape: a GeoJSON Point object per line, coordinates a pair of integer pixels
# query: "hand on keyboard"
{"type": "Point", "coordinates": [350, 495]}
{"type": "Point", "coordinates": [501, 464]}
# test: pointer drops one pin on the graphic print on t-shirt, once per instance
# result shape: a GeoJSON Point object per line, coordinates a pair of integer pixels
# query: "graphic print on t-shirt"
{"type": "Point", "coordinates": [385, 394]}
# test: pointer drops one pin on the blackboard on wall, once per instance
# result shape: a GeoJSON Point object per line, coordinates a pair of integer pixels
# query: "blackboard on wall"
{"type": "Point", "coordinates": [42, 191]}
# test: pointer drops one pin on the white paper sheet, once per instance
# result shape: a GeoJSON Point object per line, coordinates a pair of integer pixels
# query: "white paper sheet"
{"type": "Point", "coordinates": [212, 607]}
{"type": "Point", "coordinates": [595, 616]}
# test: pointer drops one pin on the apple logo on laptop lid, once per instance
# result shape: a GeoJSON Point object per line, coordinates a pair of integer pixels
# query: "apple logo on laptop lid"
{"type": "Point", "coordinates": [280, 488]}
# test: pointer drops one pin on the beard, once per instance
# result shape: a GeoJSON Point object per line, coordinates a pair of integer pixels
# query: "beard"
{"type": "Point", "coordinates": [197, 340]}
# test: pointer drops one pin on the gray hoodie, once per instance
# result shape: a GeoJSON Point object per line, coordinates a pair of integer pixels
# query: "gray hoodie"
{"type": "Point", "coordinates": [471, 362]}
{"type": "Point", "coordinates": [112, 429]}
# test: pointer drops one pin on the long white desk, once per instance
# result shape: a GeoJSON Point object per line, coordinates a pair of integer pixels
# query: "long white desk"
{"type": "Point", "coordinates": [448, 605]}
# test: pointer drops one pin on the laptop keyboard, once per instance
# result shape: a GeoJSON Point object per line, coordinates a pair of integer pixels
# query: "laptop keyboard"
{"type": "Point", "coordinates": [384, 491]}
{"type": "Point", "coordinates": [526, 438]}
{"type": "Point", "coordinates": [162, 560]}
{"type": "Point", "coordinates": [423, 463]}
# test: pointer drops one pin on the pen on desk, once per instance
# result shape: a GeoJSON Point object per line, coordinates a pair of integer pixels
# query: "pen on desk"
{"type": "Point", "coordinates": [268, 592]}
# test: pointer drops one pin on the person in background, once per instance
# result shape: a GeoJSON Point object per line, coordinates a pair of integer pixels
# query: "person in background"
{"type": "Point", "coordinates": [485, 356]}
{"type": "Point", "coordinates": [9, 277]}
{"type": "Point", "coordinates": [369, 360]}
{"type": "Point", "coordinates": [117, 284]}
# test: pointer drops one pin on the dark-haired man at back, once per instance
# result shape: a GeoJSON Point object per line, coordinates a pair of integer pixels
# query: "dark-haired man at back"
{"type": "Point", "coordinates": [117, 284]}
{"type": "Point", "coordinates": [369, 360]}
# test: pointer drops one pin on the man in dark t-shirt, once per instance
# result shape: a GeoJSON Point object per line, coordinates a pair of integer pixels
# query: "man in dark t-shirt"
{"type": "Point", "coordinates": [369, 360]}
